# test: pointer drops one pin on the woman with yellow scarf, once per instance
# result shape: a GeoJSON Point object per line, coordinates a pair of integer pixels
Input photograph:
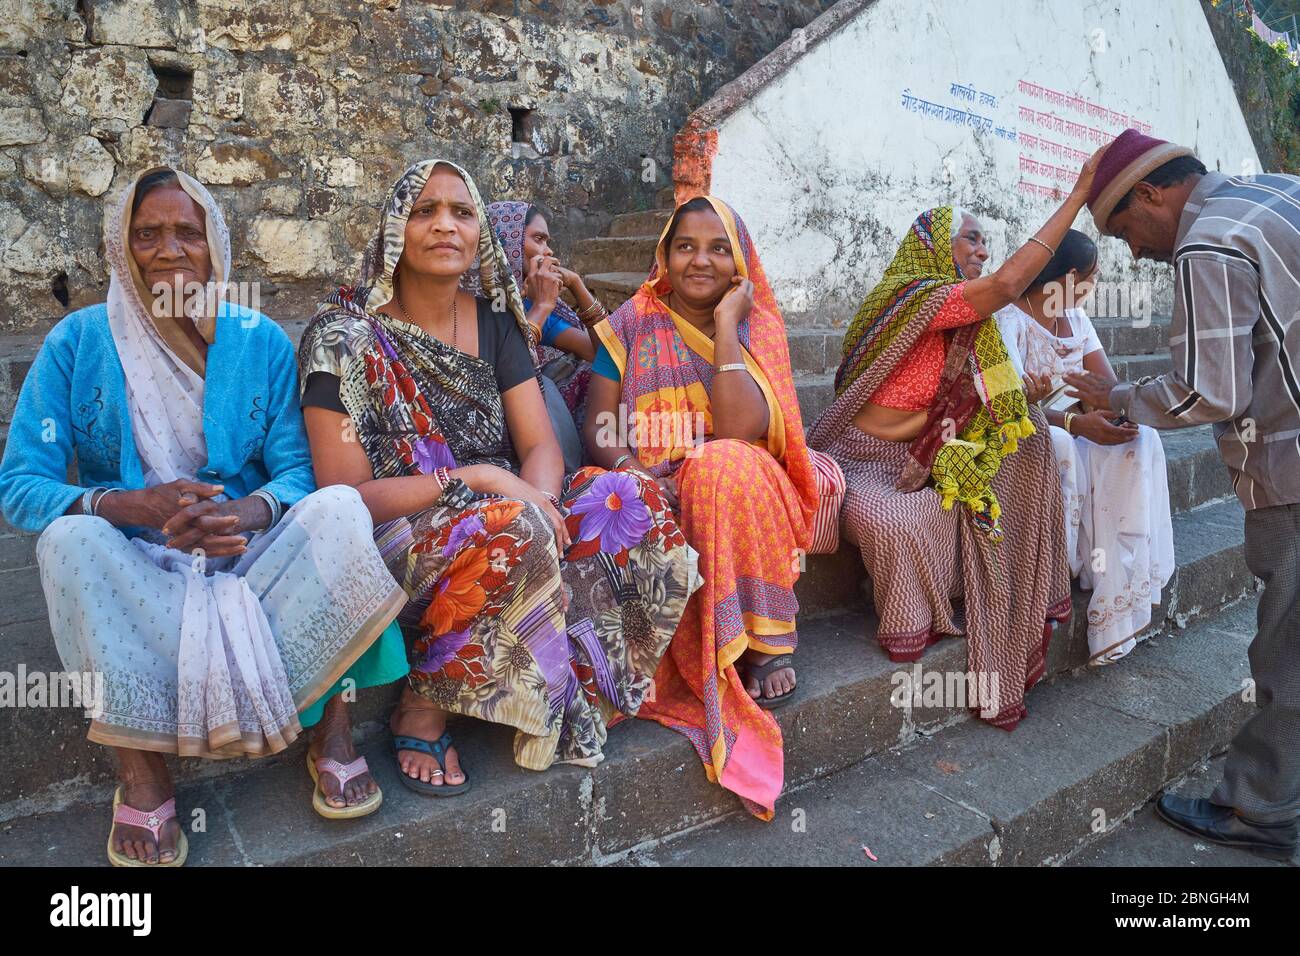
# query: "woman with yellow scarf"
{"type": "Point", "coordinates": [930, 414]}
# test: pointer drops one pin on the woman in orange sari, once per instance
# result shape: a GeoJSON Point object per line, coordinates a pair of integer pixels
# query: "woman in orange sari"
{"type": "Point", "coordinates": [692, 385]}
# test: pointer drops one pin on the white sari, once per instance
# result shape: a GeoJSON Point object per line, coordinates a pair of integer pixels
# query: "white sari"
{"type": "Point", "coordinates": [210, 658]}
{"type": "Point", "coordinates": [1118, 529]}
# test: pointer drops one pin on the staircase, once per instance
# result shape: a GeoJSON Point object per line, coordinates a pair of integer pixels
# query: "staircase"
{"type": "Point", "coordinates": [916, 786]}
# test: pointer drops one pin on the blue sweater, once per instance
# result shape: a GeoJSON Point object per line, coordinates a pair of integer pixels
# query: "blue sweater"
{"type": "Point", "coordinates": [73, 403]}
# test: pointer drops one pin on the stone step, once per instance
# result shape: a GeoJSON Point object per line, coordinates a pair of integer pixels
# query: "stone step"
{"type": "Point", "coordinates": [1210, 572]}
{"type": "Point", "coordinates": [959, 792]}
{"type": "Point", "coordinates": [614, 288]}
{"type": "Point", "coordinates": [650, 223]}
{"type": "Point", "coordinates": [1129, 368]}
{"type": "Point", "coordinates": [1128, 336]}
{"type": "Point", "coordinates": [814, 349]}
{"type": "Point", "coordinates": [1143, 839]}
{"type": "Point", "coordinates": [815, 392]}
{"type": "Point", "coordinates": [615, 254]}
{"type": "Point", "coordinates": [1095, 747]}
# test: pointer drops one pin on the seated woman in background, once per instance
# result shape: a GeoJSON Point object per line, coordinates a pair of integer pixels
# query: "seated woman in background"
{"type": "Point", "coordinates": [926, 391]}
{"type": "Point", "coordinates": [1119, 535]}
{"type": "Point", "coordinates": [541, 602]}
{"type": "Point", "coordinates": [565, 347]}
{"type": "Point", "coordinates": [182, 415]}
{"type": "Point", "coordinates": [692, 385]}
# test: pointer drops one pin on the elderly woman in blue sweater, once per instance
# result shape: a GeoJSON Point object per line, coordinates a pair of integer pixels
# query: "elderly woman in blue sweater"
{"type": "Point", "coordinates": [191, 561]}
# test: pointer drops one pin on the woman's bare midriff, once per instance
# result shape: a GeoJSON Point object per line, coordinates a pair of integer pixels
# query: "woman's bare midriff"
{"type": "Point", "coordinates": [889, 424]}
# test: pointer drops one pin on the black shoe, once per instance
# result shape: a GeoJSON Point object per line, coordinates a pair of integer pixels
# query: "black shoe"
{"type": "Point", "coordinates": [1221, 825]}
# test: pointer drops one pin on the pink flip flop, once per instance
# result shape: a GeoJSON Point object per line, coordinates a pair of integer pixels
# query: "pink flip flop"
{"type": "Point", "coordinates": [342, 773]}
{"type": "Point", "coordinates": [152, 821]}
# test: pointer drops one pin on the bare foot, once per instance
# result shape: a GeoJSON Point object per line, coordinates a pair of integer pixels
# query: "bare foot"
{"type": "Point", "coordinates": [332, 737]}
{"type": "Point", "coordinates": [146, 785]}
{"type": "Point", "coordinates": [416, 717]}
{"type": "Point", "coordinates": [776, 684]}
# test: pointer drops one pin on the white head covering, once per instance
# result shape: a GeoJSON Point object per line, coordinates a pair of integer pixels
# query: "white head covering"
{"type": "Point", "coordinates": [164, 370]}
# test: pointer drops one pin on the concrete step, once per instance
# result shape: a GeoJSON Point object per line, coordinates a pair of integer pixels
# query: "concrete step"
{"type": "Point", "coordinates": [1210, 572]}
{"type": "Point", "coordinates": [960, 792]}
{"type": "Point", "coordinates": [1129, 336]}
{"type": "Point", "coordinates": [814, 350]}
{"type": "Point", "coordinates": [1129, 368]}
{"type": "Point", "coordinates": [1095, 747]}
{"type": "Point", "coordinates": [815, 392]}
{"type": "Point", "coordinates": [614, 288]}
{"type": "Point", "coordinates": [615, 254]}
{"type": "Point", "coordinates": [650, 223]}
{"type": "Point", "coordinates": [1143, 839]}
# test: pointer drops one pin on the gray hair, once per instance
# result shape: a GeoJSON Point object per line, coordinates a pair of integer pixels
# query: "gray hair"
{"type": "Point", "coordinates": [958, 214]}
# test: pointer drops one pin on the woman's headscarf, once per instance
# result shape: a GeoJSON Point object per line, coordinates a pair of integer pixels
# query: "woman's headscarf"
{"type": "Point", "coordinates": [980, 397]}
{"type": "Point", "coordinates": [379, 262]}
{"type": "Point", "coordinates": [507, 218]}
{"type": "Point", "coordinates": [164, 370]}
{"type": "Point", "coordinates": [668, 382]}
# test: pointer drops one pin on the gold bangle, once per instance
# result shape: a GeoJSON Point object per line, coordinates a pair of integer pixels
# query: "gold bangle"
{"type": "Point", "coordinates": [1069, 421]}
{"type": "Point", "coordinates": [1050, 250]}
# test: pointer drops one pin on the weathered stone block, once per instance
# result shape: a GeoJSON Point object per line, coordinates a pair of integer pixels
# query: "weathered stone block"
{"type": "Point", "coordinates": [291, 98]}
{"type": "Point", "coordinates": [154, 23]}
{"type": "Point", "coordinates": [90, 167]}
{"type": "Point", "coordinates": [235, 25]}
{"type": "Point", "coordinates": [34, 252]}
{"type": "Point", "coordinates": [170, 114]}
{"type": "Point", "coordinates": [21, 125]}
{"type": "Point", "coordinates": [293, 247]}
{"type": "Point", "coordinates": [110, 82]}
{"type": "Point", "coordinates": [237, 164]}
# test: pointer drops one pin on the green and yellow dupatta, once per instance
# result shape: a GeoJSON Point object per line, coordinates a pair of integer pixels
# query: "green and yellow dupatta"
{"type": "Point", "coordinates": [980, 410]}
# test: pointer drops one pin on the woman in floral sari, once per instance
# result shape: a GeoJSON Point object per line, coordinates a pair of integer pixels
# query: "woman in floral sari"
{"type": "Point", "coordinates": [541, 602]}
{"type": "Point", "coordinates": [692, 385]}
{"type": "Point", "coordinates": [930, 414]}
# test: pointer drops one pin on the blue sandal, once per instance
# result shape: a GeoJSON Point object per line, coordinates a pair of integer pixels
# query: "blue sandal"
{"type": "Point", "coordinates": [437, 749]}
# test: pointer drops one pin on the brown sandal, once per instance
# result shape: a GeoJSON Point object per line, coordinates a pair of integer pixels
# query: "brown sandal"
{"type": "Point", "coordinates": [761, 672]}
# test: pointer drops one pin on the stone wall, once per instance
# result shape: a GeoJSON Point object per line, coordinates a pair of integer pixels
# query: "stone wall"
{"type": "Point", "coordinates": [299, 115]}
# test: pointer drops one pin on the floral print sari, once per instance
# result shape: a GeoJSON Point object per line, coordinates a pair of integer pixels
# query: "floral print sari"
{"type": "Point", "coordinates": [487, 588]}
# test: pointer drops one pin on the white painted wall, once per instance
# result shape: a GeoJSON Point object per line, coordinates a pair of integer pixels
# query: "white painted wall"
{"type": "Point", "coordinates": [828, 166]}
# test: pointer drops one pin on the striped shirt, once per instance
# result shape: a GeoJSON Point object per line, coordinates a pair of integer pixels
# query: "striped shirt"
{"type": "Point", "coordinates": [1235, 335]}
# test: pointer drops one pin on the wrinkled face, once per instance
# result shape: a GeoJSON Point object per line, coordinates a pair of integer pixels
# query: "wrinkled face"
{"type": "Point", "coordinates": [168, 239]}
{"type": "Point", "coordinates": [537, 241]}
{"type": "Point", "coordinates": [700, 261]}
{"type": "Point", "coordinates": [969, 248]}
{"type": "Point", "coordinates": [442, 230]}
{"type": "Point", "coordinates": [1149, 224]}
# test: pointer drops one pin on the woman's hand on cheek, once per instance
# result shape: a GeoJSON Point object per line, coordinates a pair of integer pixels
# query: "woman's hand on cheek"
{"type": "Point", "coordinates": [737, 302]}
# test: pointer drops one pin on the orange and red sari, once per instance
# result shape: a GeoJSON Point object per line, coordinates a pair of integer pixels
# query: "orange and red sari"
{"type": "Point", "coordinates": [747, 508]}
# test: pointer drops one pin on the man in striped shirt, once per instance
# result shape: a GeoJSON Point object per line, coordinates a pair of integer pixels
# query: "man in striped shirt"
{"type": "Point", "coordinates": [1234, 243]}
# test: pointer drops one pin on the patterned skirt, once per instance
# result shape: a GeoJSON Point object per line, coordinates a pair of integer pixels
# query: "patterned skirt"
{"type": "Point", "coordinates": [921, 557]}
{"type": "Point", "coordinates": [558, 648]}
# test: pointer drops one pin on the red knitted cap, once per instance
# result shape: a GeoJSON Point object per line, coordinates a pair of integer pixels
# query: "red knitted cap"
{"type": "Point", "coordinates": [1130, 157]}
